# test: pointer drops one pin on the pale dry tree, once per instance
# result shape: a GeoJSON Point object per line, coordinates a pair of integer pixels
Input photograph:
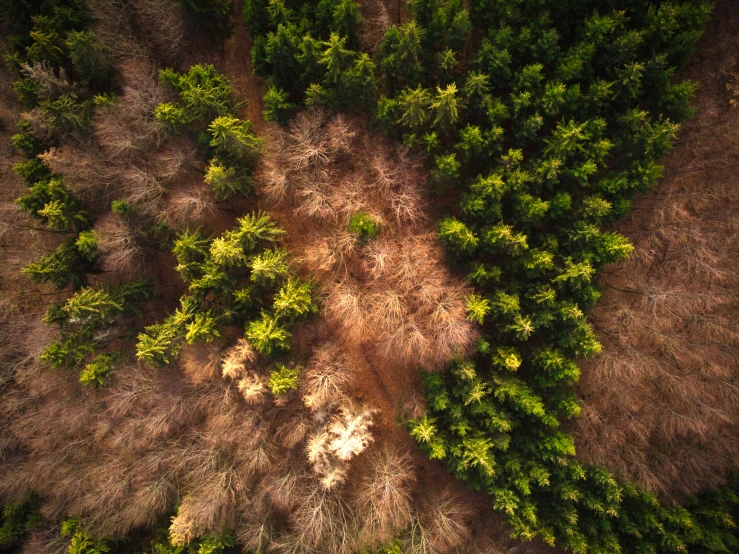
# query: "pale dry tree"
{"type": "Point", "coordinates": [345, 434]}
{"type": "Point", "coordinates": [143, 189]}
{"type": "Point", "coordinates": [50, 85]}
{"type": "Point", "coordinates": [374, 23]}
{"type": "Point", "coordinates": [236, 358]}
{"type": "Point", "coordinates": [347, 198]}
{"type": "Point", "coordinates": [349, 431]}
{"type": "Point", "coordinates": [331, 470]}
{"type": "Point", "coordinates": [200, 362]}
{"type": "Point", "coordinates": [314, 203]}
{"type": "Point", "coordinates": [405, 343]}
{"type": "Point", "coordinates": [275, 183]}
{"type": "Point", "coordinates": [112, 27]}
{"type": "Point", "coordinates": [121, 246]}
{"type": "Point", "coordinates": [406, 206]}
{"type": "Point", "coordinates": [306, 144]}
{"type": "Point", "coordinates": [38, 123]}
{"type": "Point", "coordinates": [163, 25]}
{"type": "Point", "coordinates": [345, 305]}
{"type": "Point", "coordinates": [214, 488]}
{"type": "Point", "coordinates": [128, 130]}
{"type": "Point", "coordinates": [383, 497]}
{"type": "Point", "coordinates": [326, 377]}
{"type": "Point", "coordinates": [340, 135]}
{"type": "Point", "coordinates": [294, 431]}
{"type": "Point", "coordinates": [387, 309]}
{"type": "Point", "coordinates": [192, 205]}
{"type": "Point", "coordinates": [256, 529]}
{"type": "Point", "coordinates": [184, 528]}
{"type": "Point", "coordinates": [322, 520]}
{"type": "Point", "coordinates": [253, 388]}
{"type": "Point", "coordinates": [175, 161]}
{"type": "Point", "coordinates": [283, 483]}
{"type": "Point", "coordinates": [86, 169]}
{"type": "Point", "coordinates": [439, 525]}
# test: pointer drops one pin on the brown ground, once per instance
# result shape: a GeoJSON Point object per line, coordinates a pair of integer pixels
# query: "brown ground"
{"type": "Point", "coordinates": [661, 402]}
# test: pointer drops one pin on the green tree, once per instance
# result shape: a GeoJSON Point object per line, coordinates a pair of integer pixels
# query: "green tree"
{"type": "Point", "coordinates": [277, 107]}
{"type": "Point", "coordinates": [88, 58]}
{"type": "Point", "coordinates": [283, 379]}
{"type": "Point", "coordinates": [234, 138]}
{"type": "Point", "coordinates": [226, 180]}
{"type": "Point", "coordinates": [293, 300]}
{"type": "Point", "coordinates": [268, 335]}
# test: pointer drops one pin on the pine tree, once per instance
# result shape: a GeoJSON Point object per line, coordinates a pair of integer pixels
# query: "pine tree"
{"type": "Point", "coordinates": [283, 379]}
{"type": "Point", "coordinates": [256, 229]}
{"type": "Point", "coordinates": [457, 236]}
{"type": "Point", "coordinates": [267, 335]}
{"type": "Point", "coordinates": [226, 180]}
{"type": "Point", "coordinates": [277, 106]}
{"type": "Point", "coordinates": [96, 373]}
{"type": "Point", "coordinates": [235, 138]}
{"type": "Point", "coordinates": [269, 267]}
{"type": "Point", "coordinates": [293, 300]}
{"type": "Point", "coordinates": [88, 58]}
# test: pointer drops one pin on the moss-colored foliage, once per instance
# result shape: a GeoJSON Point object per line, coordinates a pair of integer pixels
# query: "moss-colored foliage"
{"type": "Point", "coordinates": [68, 264]}
{"type": "Point", "coordinates": [204, 92]}
{"type": "Point", "coordinates": [15, 522]}
{"type": "Point", "coordinates": [206, 108]}
{"type": "Point", "coordinates": [82, 542]}
{"type": "Point", "coordinates": [277, 106]}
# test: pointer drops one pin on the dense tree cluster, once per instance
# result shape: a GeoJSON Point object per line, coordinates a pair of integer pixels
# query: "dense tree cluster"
{"type": "Point", "coordinates": [86, 321]}
{"type": "Point", "coordinates": [207, 109]}
{"type": "Point", "coordinates": [546, 117]}
{"type": "Point", "coordinates": [236, 279]}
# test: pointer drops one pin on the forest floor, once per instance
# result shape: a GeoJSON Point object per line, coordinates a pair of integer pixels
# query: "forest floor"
{"type": "Point", "coordinates": [661, 402]}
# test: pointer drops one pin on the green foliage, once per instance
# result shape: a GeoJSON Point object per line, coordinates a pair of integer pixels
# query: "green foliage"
{"type": "Point", "coordinates": [293, 300]}
{"type": "Point", "coordinates": [172, 115]}
{"type": "Point", "coordinates": [204, 92]}
{"type": "Point", "coordinates": [80, 321]}
{"type": "Point", "coordinates": [277, 106]}
{"type": "Point", "coordinates": [87, 58]}
{"type": "Point", "coordinates": [16, 520]}
{"type": "Point", "coordinates": [283, 379]}
{"type": "Point", "coordinates": [226, 180]}
{"type": "Point", "coordinates": [66, 265]}
{"type": "Point", "coordinates": [457, 236]}
{"type": "Point", "coordinates": [96, 372]}
{"type": "Point", "coordinates": [82, 542]}
{"type": "Point", "coordinates": [547, 122]}
{"type": "Point", "coordinates": [267, 335]}
{"type": "Point", "coordinates": [236, 279]}
{"type": "Point", "coordinates": [363, 225]}
{"type": "Point", "coordinates": [235, 139]}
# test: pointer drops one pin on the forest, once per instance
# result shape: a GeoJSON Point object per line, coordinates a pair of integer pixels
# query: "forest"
{"type": "Point", "coordinates": [369, 276]}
